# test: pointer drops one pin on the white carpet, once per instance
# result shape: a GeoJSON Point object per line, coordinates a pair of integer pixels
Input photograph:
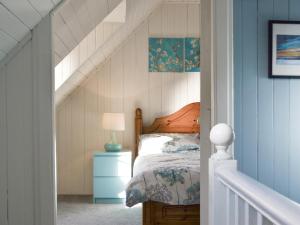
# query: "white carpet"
{"type": "Point", "coordinates": [81, 211]}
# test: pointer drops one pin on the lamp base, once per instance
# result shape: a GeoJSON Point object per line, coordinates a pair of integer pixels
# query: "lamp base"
{"type": "Point", "coordinates": [112, 147]}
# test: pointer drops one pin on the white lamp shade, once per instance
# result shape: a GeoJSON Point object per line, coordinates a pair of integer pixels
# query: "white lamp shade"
{"type": "Point", "coordinates": [113, 121]}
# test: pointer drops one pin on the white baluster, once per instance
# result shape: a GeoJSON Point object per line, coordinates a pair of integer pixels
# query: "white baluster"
{"type": "Point", "coordinates": [259, 219]}
{"type": "Point", "coordinates": [246, 213]}
{"type": "Point", "coordinates": [236, 209]}
{"type": "Point", "coordinates": [228, 206]}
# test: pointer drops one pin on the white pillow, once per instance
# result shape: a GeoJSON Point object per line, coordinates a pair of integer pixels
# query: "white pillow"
{"type": "Point", "coordinates": [168, 143]}
{"type": "Point", "coordinates": [152, 143]}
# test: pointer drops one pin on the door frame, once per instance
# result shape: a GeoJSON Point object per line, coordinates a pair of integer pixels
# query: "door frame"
{"type": "Point", "coordinates": [217, 83]}
{"type": "Point", "coordinates": [217, 99]}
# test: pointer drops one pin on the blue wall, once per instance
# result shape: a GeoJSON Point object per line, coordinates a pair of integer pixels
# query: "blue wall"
{"type": "Point", "coordinates": [267, 111]}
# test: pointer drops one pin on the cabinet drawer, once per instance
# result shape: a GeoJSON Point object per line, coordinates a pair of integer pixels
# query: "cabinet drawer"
{"type": "Point", "coordinates": [110, 187]}
{"type": "Point", "coordinates": [112, 166]}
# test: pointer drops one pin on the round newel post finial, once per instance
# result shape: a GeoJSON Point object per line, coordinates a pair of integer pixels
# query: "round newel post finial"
{"type": "Point", "coordinates": [222, 136]}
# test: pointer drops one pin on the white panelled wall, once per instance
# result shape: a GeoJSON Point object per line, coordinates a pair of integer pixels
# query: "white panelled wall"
{"type": "Point", "coordinates": [121, 84]}
{"type": "Point", "coordinates": [27, 188]}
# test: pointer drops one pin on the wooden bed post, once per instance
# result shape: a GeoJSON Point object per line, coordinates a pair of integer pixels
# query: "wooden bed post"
{"type": "Point", "coordinates": [138, 130]}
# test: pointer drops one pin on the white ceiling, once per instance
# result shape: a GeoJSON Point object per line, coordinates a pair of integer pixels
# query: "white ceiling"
{"type": "Point", "coordinates": [17, 18]}
{"type": "Point", "coordinates": [74, 20]}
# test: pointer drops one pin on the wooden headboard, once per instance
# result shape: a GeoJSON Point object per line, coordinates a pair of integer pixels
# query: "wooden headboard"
{"type": "Point", "coordinates": [184, 120]}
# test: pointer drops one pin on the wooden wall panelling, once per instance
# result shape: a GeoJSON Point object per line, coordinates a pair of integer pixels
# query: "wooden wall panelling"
{"type": "Point", "coordinates": [70, 18]}
{"type": "Point", "coordinates": [129, 90]}
{"type": "Point", "coordinates": [77, 155]}
{"type": "Point", "coordinates": [168, 104]}
{"type": "Point", "coordinates": [294, 154]}
{"type": "Point", "coordinates": [26, 129]}
{"type": "Point", "coordinates": [193, 20]}
{"type": "Point", "coordinates": [3, 149]}
{"type": "Point", "coordinates": [97, 9]}
{"type": "Point", "coordinates": [179, 27]}
{"type": "Point", "coordinates": [63, 33]}
{"type": "Point", "coordinates": [141, 72]}
{"type": "Point", "coordinates": [58, 145]}
{"type": "Point", "coordinates": [107, 30]}
{"type": "Point", "coordinates": [265, 93]}
{"type": "Point", "coordinates": [18, 29]}
{"type": "Point", "coordinates": [116, 84]}
{"type": "Point", "coordinates": [92, 122]}
{"type": "Point", "coordinates": [238, 81]}
{"type": "Point", "coordinates": [281, 94]}
{"type": "Point", "coordinates": [58, 75]}
{"type": "Point", "coordinates": [20, 127]}
{"type": "Point", "coordinates": [100, 105]}
{"type": "Point", "coordinates": [207, 73]}
{"type": "Point", "coordinates": [65, 158]}
{"type": "Point", "coordinates": [61, 49]}
{"type": "Point", "coordinates": [74, 59]}
{"type": "Point", "coordinates": [60, 125]}
{"type": "Point", "coordinates": [68, 140]}
{"type": "Point", "coordinates": [83, 16]}
{"type": "Point", "coordinates": [193, 30]}
{"type": "Point", "coordinates": [249, 135]}
{"type": "Point", "coordinates": [24, 12]}
{"type": "Point", "coordinates": [91, 42]}
{"type": "Point", "coordinates": [43, 135]}
{"type": "Point", "coordinates": [267, 110]}
{"type": "Point", "coordinates": [193, 94]}
{"type": "Point", "coordinates": [155, 78]}
{"type": "Point", "coordinates": [99, 35]}
{"type": "Point", "coordinates": [107, 91]}
{"type": "Point", "coordinates": [83, 50]}
{"type": "Point", "coordinates": [66, 67]}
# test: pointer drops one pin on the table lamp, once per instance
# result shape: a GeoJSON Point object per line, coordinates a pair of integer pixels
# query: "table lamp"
{"type": "Point", "coordinates": [113, 122]}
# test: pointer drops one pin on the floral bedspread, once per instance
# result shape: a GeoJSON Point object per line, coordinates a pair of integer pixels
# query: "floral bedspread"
{"type": "Point", "coordinates": [168, 178]}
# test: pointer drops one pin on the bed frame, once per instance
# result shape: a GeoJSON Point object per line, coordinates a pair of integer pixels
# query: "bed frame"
{"type": "Point", "coordinates": [183, 121]}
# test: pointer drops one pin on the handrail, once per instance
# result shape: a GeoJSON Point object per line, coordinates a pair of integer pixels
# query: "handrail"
{"type": "Point", "coordinates": [272, 205]}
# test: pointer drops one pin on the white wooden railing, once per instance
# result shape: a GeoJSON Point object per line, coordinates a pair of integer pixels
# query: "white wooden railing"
{"type": "Point", "coordinates": [237, 199]}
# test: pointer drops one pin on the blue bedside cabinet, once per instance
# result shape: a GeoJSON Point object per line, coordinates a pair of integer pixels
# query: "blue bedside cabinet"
{"type": "Point", "coordinates": [112, 172]}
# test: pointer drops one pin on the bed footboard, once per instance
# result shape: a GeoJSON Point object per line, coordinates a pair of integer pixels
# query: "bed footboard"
{"type": "Point", "coordinates": [155, 213]}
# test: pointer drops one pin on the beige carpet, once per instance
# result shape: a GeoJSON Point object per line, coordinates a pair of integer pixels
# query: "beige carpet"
{"type": "Point", "coordinates": [80, 211]}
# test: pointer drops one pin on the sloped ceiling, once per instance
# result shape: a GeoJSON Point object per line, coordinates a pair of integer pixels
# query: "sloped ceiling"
{"type": "Point", "coordinates": [17, 18]}
{"type": "Point", "coordinates": [136, 12]}
{"type": "Point", "coordinates": [74, 20]}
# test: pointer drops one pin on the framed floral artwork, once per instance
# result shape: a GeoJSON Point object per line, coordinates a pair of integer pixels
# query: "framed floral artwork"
{"type": "Point", "coordinates": [192, 55]}
{"type": "Point", "coordinates": [166, 55]}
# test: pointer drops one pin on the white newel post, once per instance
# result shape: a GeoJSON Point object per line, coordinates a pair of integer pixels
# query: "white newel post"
{"type": "Point", "coordinates": [222, 136]}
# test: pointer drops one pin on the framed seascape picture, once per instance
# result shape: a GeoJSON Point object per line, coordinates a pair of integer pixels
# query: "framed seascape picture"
{"type": "Point", "coordinates": [284, 49]}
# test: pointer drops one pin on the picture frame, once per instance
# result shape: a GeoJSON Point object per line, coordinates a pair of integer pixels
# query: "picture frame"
{"type": "Point", "coordinates": [166, 55]}
{"type": "Point", "coordinates": [284, 49]}
{"type": "Point", "coordinates": [173, 54]}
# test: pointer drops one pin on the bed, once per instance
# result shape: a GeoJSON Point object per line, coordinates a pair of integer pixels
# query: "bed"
{"type": "Point", "coordinates": [169, 202]}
